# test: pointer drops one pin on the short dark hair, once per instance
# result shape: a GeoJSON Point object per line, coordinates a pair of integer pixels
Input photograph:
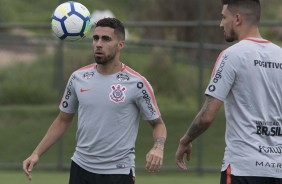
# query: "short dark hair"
{"type": "Point", "coordinates": [112, 23]}
{"type": "Point", "coordinates": [251, 8]}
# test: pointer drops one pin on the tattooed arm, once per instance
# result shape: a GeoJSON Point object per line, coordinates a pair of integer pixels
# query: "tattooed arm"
{"type": "Point", "coordinates": [154, 158]}
{"type": "Point", "coordinates": [200, 124]}
{"type": "Point", "coordinates": [203, 119]}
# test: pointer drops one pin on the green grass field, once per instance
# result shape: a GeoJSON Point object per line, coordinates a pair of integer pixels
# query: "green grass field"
{"type": "Point", "coordinates": [47, 177]}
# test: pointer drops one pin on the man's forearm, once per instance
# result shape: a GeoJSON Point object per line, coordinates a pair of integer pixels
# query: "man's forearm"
{"type": "Point", "coordinates": [159, 133]}
{"type": "Point", "coordinates": [203, 119]}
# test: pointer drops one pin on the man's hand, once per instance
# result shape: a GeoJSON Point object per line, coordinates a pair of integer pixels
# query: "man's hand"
{"type": "Point", "coordinates": [28, 165]}
{"type": "Point", "coordinates": [179, 155]}
{"type": "Point", "coordinates": [154, 159]}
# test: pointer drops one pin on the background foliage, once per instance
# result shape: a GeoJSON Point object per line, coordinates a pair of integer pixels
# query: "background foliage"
{"type": "Point", "coordinates": [29, 93]}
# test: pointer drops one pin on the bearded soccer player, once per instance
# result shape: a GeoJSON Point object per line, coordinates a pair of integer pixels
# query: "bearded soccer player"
{"type": "Point", "coordinates": [108, 96]}
{"type": "Point", "coordinates": [247, 78]}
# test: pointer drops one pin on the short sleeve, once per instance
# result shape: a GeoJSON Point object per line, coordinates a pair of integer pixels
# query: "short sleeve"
{"type": "Point", "coordinates": [223, 75]}
{"type": "Point", "coordinates": [145, 100]}
{"type": "Point", "coordinates": [69, 102]}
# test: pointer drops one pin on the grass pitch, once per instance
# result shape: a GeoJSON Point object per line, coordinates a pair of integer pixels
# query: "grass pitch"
{"type": "Point", "coordinates": [47, 177]}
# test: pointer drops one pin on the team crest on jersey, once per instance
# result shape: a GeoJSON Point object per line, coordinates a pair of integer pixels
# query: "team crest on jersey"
{"type": "Point", "coordinates": [117, 94]}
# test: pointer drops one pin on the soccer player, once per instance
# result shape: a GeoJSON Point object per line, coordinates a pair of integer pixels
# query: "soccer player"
{"type": "Point", "coordinates": [247, 78]}
{"type": "Point", "coordinates": [108, 96]}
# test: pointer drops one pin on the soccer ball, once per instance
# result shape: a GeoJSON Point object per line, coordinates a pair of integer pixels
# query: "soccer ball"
{"type": "Point", "coordinates": [71, 21]}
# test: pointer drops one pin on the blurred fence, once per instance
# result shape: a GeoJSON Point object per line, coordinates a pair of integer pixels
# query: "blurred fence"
{"type": "Point", "coordinates": [27, 43]}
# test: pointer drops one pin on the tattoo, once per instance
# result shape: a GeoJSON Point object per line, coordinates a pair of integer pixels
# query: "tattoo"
{"type": "Point", "coordinates": [198, 127]}
{"type": "Point", "coordinates": [159, 143]}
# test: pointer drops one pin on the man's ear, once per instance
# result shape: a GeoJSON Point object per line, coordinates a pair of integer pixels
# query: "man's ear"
{"type": "Point", "coordinates": [238, 19]}
{"type": "Point", "coordinates": [121, 44]}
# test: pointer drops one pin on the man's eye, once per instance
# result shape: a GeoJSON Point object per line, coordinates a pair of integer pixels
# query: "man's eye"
{"type": "Point", "coordinates": [106, 38]}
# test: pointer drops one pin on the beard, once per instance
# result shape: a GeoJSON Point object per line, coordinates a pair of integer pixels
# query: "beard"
{"type": "Point", "coordinates": [104, 60]}
{"type": "Point", "coordinates": [231, 37]}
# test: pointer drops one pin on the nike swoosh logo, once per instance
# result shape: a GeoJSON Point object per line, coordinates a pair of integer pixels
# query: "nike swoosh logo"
{"type": "Point", "coordinates": [84, 90]}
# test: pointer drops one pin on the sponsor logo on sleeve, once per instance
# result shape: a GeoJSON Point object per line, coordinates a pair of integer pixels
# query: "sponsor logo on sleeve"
{"type": "Point", "coordinates": [117, 94]}
{"type": "Point", "coordinates": [65, 104]}
{"type": "Point", "coordinates": [212, 88]}
{"type": "Point", "coordinates": [140, 85]}
{"type": "Point", "coordinates": [218, 75]}
{"type": "Point", "coordinates": [147, 98]}
{"type": "Point", "coordinates": [68, 92]}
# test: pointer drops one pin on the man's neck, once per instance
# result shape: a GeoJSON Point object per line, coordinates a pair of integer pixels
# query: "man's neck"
{"type": "Point", "coordinates": [249, 32]}
{"type": "Point", "coordinates": [109, 68]}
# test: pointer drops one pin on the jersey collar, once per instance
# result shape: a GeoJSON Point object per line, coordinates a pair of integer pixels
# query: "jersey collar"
{"type": "Point", "coordinates": [258, 40]}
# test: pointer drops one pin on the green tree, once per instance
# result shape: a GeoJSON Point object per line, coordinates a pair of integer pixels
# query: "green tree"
{"type": "Point", "coordinates": [7, 13]}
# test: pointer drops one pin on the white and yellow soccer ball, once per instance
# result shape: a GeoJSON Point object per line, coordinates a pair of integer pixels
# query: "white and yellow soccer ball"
{"type": "Point", "coordinates": [71, 21]}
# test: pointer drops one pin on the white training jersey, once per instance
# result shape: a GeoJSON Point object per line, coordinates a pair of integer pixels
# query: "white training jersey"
{"type": "Point", "coordinates": [248, 78]}
{"type": "Point", "coordinates": [108, 109]}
